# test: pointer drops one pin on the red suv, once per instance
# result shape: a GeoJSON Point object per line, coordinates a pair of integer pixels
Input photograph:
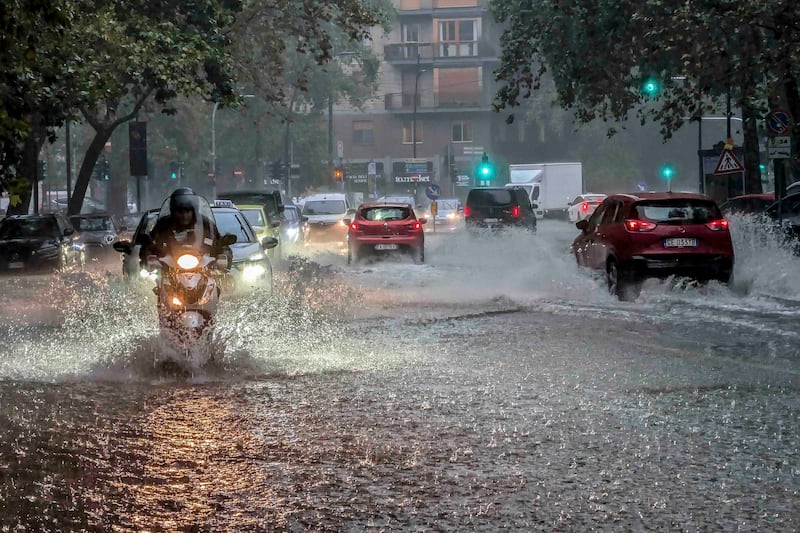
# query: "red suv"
{"type": "Point", "coordinates": [635, 236]}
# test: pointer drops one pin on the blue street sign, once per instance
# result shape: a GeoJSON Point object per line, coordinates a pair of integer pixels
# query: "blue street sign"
{"type": "Point", "coordinates": [779, 122]}
{"type": "Point", "coordinates": [433, 191]}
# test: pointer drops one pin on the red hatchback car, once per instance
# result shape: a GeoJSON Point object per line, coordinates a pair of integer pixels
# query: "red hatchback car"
{"type": "Point", "coordinates": [635, 236]}
{"type": "Point", "coordinates": [385, 227]}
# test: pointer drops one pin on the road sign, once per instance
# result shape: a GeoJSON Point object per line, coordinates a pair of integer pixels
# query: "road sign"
{"type": "Point", "coordinates": [372, 168]}
{"type": "Point", "coordinates": [780, 147]}
{"type": "Point", "coordinates": [471, 150]}
{"type": "Point", "coordinates": [433, 191]}
{"type": "Point", "coordinates": [339, 149]}
{"type": "Point", "coordinates": [728, 164]}
{"type": "Point", "coordinates": [779, 122]}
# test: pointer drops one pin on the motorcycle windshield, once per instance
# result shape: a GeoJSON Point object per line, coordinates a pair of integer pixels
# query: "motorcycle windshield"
{"type": "Point", "coordinates": [187, 223]}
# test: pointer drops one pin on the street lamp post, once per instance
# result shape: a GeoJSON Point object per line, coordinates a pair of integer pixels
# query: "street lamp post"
{"type": "Point", "coordinates": [214, 145]}
{"type": "Point", "coordinates": [414, 114]}
{"type": "Point", "coordinates": [702, 178]}
{"type": "Point", "coordinates": [330, 110]}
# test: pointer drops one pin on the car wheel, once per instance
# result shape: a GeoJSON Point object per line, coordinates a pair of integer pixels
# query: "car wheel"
{"type": "Point", "coordinates": [352, 255]}
{"type": "Point", "coordinates": [620, 283]}
{"type": "Point", "coordinates": [419, 254]}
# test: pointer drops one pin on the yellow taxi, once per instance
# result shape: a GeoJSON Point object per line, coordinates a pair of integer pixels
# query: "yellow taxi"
{"type": "Point", "coordinates": [257, 216]}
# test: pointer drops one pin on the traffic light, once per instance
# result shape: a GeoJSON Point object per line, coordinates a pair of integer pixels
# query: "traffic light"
{"type": "Point", "coordinates": [651, 86]}
{"type": "Point", "coordinates": [105, 170]}
{"type": "Point", "coordinates": [338, 174]}
{"type": "Point", "coordinates": [667, 171]}
{"type": "Point", "coordinates": [41, 171]}
{"type": "Point", "coordinates": [176, 170]}
{"type": "Point", "coordinates": [486, 170]}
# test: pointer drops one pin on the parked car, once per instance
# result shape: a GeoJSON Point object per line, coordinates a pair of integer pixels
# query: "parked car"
{"type": "Point", "coordinates": [631, 237]}
{"type": "Point", "coordinates": [584, 205]}
{"type": "Point", "coordinates": [748, 204]}
{"type": "Point", "coordinates": [250, 266]}
{"type": "Point", "coordinates": [292, 231]}
{"type": "Point", "coordinates": [130, 248]}
{"type": "Point", "coordinates": [98, 233]}
{"type": "Point", "coordinates": [36, 242]}
{"type": "Point", "coordinates": [385, 227]}
{"type": "Point", "coordinates": [498, 208]}
{"type": "Point", "coordinates": [328, 215]}
{"type": "Point", "coordinates": [784, 217]}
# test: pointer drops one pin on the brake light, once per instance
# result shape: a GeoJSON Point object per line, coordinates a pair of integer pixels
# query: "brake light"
{"type": "Point", "coordinates": [515, 211]}
{"type": "Point", "coordinates": [639, 225]}
{"type": "Point", "coordinates": [354, 226]}
{"type": "Point", "coordinates": [717, 225]}
{"type": "Point", "coordinates": [417, 225]}
{"type": "Point", "coordinates": [585, 206]}
{"type": "Point", "coordinates": [467, 211]}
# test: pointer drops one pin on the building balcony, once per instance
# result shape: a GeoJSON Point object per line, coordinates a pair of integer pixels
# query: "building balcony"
{"type": "Point", "coordinates": [441, 52]}
{"type": "Point", "coordinates": [418, 7]}
{"type": "Point", "coordinates": [438, 101]}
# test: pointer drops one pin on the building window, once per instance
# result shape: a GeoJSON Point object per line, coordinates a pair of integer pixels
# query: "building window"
{"type": "Point", "coordinates": [407, 137]}
{"type": "Point", "coordinates": [363, 132]}
{"type": "Point", "coordinates": [462, 131]}
{"type": "Point", "coordinates": [457, 38]}
{"type": "Point", "coordinates": [410, 33]}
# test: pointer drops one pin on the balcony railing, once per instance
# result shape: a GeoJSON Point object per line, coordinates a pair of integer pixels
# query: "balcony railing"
{"type": "Point", "coordinates": [437, 100]}
{"type": "Point", "coordinates": [440, 50]}
{"type": "Point", "coordinates": [428, 5]}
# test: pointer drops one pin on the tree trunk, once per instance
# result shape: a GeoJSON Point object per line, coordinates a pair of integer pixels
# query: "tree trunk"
{"type": "Point", "coordinates": [28, 169]}
{"type": "Point", "coordinates": [751, 151]}
{"type": "Point", "coordinates": [85, 173]}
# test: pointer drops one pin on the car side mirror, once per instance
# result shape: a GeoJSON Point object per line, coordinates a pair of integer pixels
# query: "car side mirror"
{"type": "Point", "coordinates": [268, 243]}
{"type": "Point", "coordinates": [228, 239]}
{"type": "Point", "coordinates": [423, 220]}
{"type": "Point", "coordinates": [275, 224]}
{"type": "Point", "coordinates": [582, 225]}
{"type": "Point", "coordinates": [304, 219]}
{"type": "Point", "coordinates": [123, 247]}
{"type": "Point", "coordinates": [351, 212]}
{"type": "Point", "coordinates": [68, 232]}
{"type": "Point", "coordinates": [534, 206]}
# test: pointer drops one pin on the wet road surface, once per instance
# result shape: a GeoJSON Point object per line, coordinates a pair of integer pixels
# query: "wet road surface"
{"type": "Point", "coordinates": [494, 387]}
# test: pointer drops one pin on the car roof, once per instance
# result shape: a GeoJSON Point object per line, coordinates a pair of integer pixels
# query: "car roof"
{"type": "Point", "coordinates": [225, 208]}
{"type": "Point", "coordinates": [383, 204]}
{"type": "Point", "coordinates": [640, 196]}
{"type": "Point", "coordinates": [250, 206]}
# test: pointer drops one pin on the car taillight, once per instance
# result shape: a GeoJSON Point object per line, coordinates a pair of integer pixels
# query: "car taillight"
{"type": "Point", "coordinates": [717, 225]}
{"type": "Point", "coordinates": [354, 226]}
{"type": "Point", "coordinates": [515, 211]}
{"type": "Point", "coordinates": [467, 211]}
{"type": "Point", "coordinates": [585, 206]}
{"type": "Point", "coordinates": [638, 225]}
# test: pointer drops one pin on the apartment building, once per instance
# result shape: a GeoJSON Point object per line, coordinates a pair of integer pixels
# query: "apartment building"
{"type": "Point", "coordinates": [432, 119]}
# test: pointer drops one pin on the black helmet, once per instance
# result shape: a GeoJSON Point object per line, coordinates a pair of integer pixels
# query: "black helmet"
{"type": "Point", "coordinates": [182, 199]}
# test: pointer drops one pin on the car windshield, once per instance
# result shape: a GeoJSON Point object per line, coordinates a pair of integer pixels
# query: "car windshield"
{"type": "Point", "coordinates": [93, 223]}
{"type": "Point", "coordinates": [489, 197]}
{"type": "Point", "coordinates": [324, 207]}
{"type": "Point", "coordinates": [290, 214]}
{"type": "Point", "coordinates": [678, 211]}
{"type": "Point", "coordinates": [230, 222]}
{"type": "Point", "coordinates": [386, 213]}
{"type": "Point", "coordinates": [447, 205]}
{"type": "Point", "coordinates": [254, 216]}
{"type": "Point", "coordinates": [31, 227]}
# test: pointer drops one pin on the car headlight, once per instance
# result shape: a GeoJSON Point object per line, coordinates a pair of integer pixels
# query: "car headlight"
{"type": "Point", "coordinates": [152, 275]}
{"type": "Point", "coordinates": [258, 256]}
{"type": "Point", "coordinates": [291, 232]}
{"type": "Point", "coordinates": [253, 272]}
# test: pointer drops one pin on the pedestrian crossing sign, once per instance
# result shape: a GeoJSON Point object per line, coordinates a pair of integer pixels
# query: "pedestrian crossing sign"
{"type": "Point", "coordinates": [728, 164]}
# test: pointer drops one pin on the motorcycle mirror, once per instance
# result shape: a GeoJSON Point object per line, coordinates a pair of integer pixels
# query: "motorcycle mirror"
{"type": "Point", "coordinates": [123, 247]}
{"type": "Point", "coordinates": [228, 239]}
{"type": "Point", "coordinates": [275, 224]}
{"type": "Point", "coordinates": [269, 242]}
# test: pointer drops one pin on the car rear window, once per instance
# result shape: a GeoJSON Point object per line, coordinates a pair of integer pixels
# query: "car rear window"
{"type": "Point", "coordinates": [93, 223]}
{"type": "Point", "coordinates": [32, 227]}
{"type": "Point", "coordinates": [675, 211]}
{"type": "Point", "coordinates": [324, 207]}
{"type": "Point", "coordinates": [254, 216]}
{"type": "Point", "coordinates": [489, 197]}
{"type": "Point", "coordinates": [385, 213]}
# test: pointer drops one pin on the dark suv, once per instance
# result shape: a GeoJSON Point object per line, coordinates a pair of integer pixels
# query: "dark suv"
{"type": "Point", "coordinates": [634, 236]}
{"type": "Point", "coordinates": [498, 207]}
{"type": "Point", "coordinates": [33, 242]}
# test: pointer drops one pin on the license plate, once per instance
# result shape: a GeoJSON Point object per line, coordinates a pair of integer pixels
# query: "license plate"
{"type": "Point", "coordinates": [386, 247]}
{"type": "Point", "coordinates": [491, 220]}
{"type": "Point", "coordinates": [680, 243]}
{"type": "Point", "coordinates": [16, 265]}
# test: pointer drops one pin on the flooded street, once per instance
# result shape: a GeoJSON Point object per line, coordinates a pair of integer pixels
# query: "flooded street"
{"type": "Point", "coordinates": [496, 386]}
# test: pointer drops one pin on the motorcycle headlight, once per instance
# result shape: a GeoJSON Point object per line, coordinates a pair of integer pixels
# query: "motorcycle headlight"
{"type": "Point", "coordinates": [188, 261]}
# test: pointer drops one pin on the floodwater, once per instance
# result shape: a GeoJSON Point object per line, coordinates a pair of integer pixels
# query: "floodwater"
{"type": "Point", "coordinates": [496, 386]}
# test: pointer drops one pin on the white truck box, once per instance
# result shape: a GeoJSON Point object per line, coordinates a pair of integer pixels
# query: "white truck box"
{"type": "Point", "coordinates": [550, 186]}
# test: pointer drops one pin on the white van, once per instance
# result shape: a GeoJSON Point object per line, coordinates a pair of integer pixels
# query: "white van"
{"type": "Point", "coordinates": [329, 215]}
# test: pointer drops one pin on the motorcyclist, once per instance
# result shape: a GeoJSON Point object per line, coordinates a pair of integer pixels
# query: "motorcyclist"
{"type": "Point", "coordinates": [180, 226]}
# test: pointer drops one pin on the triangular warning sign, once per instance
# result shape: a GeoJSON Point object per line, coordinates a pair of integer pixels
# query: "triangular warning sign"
{"type": "Point", "coordinates": [728, 164]}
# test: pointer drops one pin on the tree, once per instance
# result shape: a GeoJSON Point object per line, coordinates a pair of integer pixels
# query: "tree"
{"type": "Point", "coordinates": [598, 56]}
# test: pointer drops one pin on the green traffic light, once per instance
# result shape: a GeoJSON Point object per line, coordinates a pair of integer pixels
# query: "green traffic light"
{"type": "Point", "coordinates": [667, 172]}
{"type": "Point", "coordinates": [651, 87]}
{"type": "Point", "coordinates": [174, 175]}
